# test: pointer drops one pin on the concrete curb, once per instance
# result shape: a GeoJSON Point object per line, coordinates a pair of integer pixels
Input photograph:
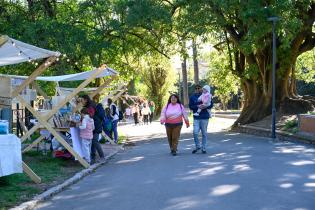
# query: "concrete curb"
{"type": "Point", "coordinates": [229, 116]}
{"type": "Point", "coordinates": [281, 135]}
{"type": "Point", "coordinates": [57, 189]}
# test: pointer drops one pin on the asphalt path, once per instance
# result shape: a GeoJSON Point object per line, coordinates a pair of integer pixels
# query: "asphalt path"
{"type": "Point", "coordinates": [239, 172]}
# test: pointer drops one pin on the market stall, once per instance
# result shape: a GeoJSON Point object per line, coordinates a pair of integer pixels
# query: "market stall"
{"type": "Point", "coordinates": [13, 52]}
{"type": "Point", "coordinates": [52, 120]}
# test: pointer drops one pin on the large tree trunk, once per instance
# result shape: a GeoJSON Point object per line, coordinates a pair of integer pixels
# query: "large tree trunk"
{"type": "Point", "coordinates": [155, 79]}
{"type": "Point", "coordinates": [184, 56]}
{"type": "Point", "coordinates": [256, 76]}
{"type": "Point", "coordinates": [185, 82]}
{"type": "Point", "coordinates": [257, 92]}
{"type": "Point", "coordinates": [196, 67]}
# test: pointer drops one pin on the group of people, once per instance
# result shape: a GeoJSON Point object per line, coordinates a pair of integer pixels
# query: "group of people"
{"type": "Point", "coordinates": [94, 120]}
{"type": "Point", "coordinates": [174, 113]}
{"type": "Point", "coordinates": [141, 112]}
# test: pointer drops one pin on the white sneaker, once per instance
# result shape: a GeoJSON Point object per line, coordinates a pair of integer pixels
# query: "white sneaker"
{"type": "Point", "coordinates": [196, 114]}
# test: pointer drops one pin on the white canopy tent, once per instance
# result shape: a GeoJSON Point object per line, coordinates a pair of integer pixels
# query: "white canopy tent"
{"type": "Point", "coordinates": [13, 52]}
{"type": "Point", "coordinates": [70, 77]}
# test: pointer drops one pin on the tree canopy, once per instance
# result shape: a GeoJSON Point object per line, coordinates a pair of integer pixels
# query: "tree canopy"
{"type": "Point", "coordinates": [121, 33]}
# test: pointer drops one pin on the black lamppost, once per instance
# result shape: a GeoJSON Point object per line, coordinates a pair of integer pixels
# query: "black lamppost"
{"type": "Point", "coordinates": [274, 57]}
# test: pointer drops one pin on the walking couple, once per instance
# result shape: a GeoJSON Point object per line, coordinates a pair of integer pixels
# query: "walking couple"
{"type": "Point", "coordinates": [174, 112]}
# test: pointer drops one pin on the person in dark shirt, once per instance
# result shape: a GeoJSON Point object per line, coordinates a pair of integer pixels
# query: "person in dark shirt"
{"type": "Point", "coordinates": [201, 121]}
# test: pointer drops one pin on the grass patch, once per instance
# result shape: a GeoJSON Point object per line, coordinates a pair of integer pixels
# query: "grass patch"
{"type": "Point", "coordinates": [34, 136]}
{"type": "Point", "coordinates": [121, 139]}
{"type": "Point", "coordinates": [18, 188]}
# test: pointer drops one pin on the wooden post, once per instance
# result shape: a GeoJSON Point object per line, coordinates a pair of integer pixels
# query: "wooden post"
{"type": "Point", "coordinates": [33, 76]}
{"type": "Point", "coordinates": [37, 141]}
{"type": "Point", "coordinates": [107, 137]}
{"type": "Point", "coordinates": [39, 90]}
{"type": "Point", "coordinates": [118, 95]}
{"type": "Point", "coordinates": [112, 94]}
{"type": "Point", "coordinates": [3, 40]}
{"type": "Point", "coordinates": [53, 132]}
{"type": "Point", "coordinates": [62, 103]}
{"type": "Point", "coordinates": [31, 173]}
{"type": "Point", "coordinates": [94, 93]}
{"type": "Point", "coordinates": [43, 119]}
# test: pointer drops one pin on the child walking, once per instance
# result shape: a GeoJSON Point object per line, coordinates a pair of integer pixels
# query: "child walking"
{"type": "Point", "coordinates": [205, 98]}
{"type": "Point", "coordinates": [86, 133]}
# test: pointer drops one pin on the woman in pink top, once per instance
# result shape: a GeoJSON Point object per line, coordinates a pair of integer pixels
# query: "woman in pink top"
{"type": "Point", "coordinates": [172, 116]}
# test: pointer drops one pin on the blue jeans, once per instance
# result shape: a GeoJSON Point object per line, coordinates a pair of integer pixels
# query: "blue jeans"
{"type": "Point", "coordinates": [200, 124]}
{"type": "Point", "coordinates": [114, 129]}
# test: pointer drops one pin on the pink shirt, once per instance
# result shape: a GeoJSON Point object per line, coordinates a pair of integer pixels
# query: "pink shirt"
{"type": "Point", "coordinates": [174, 114]}
{"type": "Point", "coordinates": [86, 128]}
{"type": "Point", "coordinates": [205, 98]}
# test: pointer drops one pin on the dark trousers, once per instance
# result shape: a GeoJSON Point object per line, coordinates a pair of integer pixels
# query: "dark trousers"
{"type": "Point", "coordinates": [96, 146]}
{"type": "Point", "coordinates": [135, 117]}
{"type": "Point", "coordinates": [173, 133]}
{"type": "Point", "coordinates": [146, 119]}
{"type": "Point", "coordinates": [151, 117]}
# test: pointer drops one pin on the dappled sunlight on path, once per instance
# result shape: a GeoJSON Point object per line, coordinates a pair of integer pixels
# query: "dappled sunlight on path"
{"type": "Point", "coordinates": [155, 130]}
{"type": "Point", "coordinates": [239, 172]}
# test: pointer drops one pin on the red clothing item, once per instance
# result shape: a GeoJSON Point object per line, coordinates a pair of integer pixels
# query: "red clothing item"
{"type": "Point", "coordinates": [91, 111]}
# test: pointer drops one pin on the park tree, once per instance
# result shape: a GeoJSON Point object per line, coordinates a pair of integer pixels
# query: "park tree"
{"type": "Point", "coordinates": [158, 76]}
{"type": "Point", "coordinates": [220, 77]}
{"type": "Point", "coordinates": [305, 67]}
{"type": "Point", "coordinates": [249, 35]}
{"type": "Point", "coordinates": [89, 33]}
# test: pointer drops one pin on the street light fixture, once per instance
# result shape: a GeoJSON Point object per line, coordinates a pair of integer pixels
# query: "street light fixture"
{"type": "Point", "coordinates": [273, 20]}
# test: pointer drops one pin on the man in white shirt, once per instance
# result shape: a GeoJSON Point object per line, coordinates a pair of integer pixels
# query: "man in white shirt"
{"type": "Point", "coordinates": [114, 113]}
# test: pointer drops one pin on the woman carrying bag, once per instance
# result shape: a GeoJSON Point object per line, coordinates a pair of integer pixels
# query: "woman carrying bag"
{"type": "Point", "coordinates": [172, 117]}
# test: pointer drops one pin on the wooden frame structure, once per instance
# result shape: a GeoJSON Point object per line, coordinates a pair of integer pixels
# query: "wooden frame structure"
{"type": "Point", "coordinates": [13, 52]}
{"type": "Point", "coordinates": [15, 94]}
{"type": "Point", "coordinates": [39, 53]}
{"type": "Point", "coordinates": [43, 120]}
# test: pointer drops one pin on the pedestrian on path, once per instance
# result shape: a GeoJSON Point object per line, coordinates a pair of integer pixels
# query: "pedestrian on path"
{"type": "Point", "coordinates": [205, 98]}
{"type": "Point", "coordinates": [86, 134]}
{"type": "Point", "coordinates": [97, 112]}
{"type": "Point", "coordinates": [135, 113]}
{"type": "Point", "coordinates": [114, 113]}
{"type": "Point", "coordinates": [146, 113]}
{"type": "Point", "coordinates": [200, 121]}
{"type": "Point", "coordinates": [108, 124]}
{"type": "Point", "coordinates": [152, 109]}
{"type": "Point", "coordinates": [172, 117]}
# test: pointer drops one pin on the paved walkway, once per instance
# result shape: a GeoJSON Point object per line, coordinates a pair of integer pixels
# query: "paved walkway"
{"type": "Point", "coordinates": [240, 172]}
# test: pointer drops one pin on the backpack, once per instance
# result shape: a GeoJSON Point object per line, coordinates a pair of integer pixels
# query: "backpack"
{"type": "Point", "coordinates": [107, 124]}
{"type": "Point", "coordinates": [98, 118]}
{"type": "Point", "coordinates": [120, 115]}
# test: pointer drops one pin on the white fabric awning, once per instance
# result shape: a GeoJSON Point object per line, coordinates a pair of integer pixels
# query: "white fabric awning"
{"type": "Point", "coordinates": [13, 51]}
{"type": "Point", "coordinates": [70, 77]}
{"type": "Point", "coordinates": [79, 76]}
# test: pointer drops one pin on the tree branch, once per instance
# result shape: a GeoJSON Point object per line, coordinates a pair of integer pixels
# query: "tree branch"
{"type": "Point", "coordinates": [148, 43]}
{"type": "Point", "coordinates": [308, 44]}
